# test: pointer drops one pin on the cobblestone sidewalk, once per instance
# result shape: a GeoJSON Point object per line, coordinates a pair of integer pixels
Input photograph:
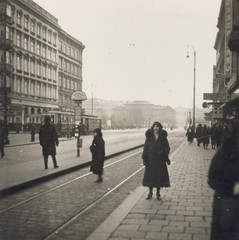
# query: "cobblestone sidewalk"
{"type": "Point", "coordinates": [183, 213]}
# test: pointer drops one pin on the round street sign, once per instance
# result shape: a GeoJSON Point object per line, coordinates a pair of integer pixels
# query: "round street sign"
{"type": "Point", "coordinates": [78, 96]}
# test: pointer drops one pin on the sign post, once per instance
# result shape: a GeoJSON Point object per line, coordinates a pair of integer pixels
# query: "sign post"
{"type": "Point", "coordinates": [78, 97]}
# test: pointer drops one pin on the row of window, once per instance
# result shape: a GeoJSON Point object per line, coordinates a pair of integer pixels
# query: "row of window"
{"type": "Point", "coordinates": [68, 83]}
{"type": "Point", "coordinates": [36, 68]}
{"type": "Point", "coordinates": [36, 47]}
{"type": "Point", "coordinates": [68, 50]}
{"type": "Point", "coordinates": [34, 88]}
{"type": "Point", "coordinates": [69, 67]}
{"type": "Point", "coordinates": [42, 31]}
{"type": "Point", "coordinates": [65, 101]}
{"type": "Point", "coordinates": [35, 27]}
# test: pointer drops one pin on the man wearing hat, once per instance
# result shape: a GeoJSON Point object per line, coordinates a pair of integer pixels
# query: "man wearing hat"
{"type": "Point", "coordinates": [49, 140]}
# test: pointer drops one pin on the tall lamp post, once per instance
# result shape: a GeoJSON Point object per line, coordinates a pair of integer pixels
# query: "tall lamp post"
{"type": "Point", "coordinates": [194, 81]}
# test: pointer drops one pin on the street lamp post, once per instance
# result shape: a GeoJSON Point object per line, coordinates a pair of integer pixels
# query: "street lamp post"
{"type": "Point", "coordinates": [194, 82]}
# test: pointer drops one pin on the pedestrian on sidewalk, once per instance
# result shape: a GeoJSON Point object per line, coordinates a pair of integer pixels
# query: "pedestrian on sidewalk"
{"type": "Point", "coordinates": [223, 177]}
{"type": "Point", "coordinates": [49, 140]}
{"type": "Point", "coordinates": [97, 149]}
{"type": "Point", "coordinates": [190, 134]}
{"type": "Point", "coordinates": [198, 134]}
{"type": "Point", "coordinates": [155, 156]}
{"type": "Point", "coordinates": [3, 137]}
{"type": "Point", "coordinates": [205, 136]}
{"type": "Point", "coordinates": [33, 132]}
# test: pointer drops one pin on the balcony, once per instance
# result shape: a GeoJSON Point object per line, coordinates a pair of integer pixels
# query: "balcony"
{"type": "Point", "coordinates": [7, 68]}
{"type": "Point", "coordinates": [5, 43]}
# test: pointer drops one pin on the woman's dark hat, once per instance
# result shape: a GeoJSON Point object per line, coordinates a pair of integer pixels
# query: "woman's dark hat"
{"type": "Point", "coordinates": [158, 124]}
{"type": "Point", "coordinates": [97, 130]}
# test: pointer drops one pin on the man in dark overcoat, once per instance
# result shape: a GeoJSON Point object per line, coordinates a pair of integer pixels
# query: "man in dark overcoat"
{"type": "Point", "coordinates": [49, 140]}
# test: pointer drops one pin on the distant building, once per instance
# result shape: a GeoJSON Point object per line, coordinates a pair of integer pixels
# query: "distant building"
{"type": "Point", "coordinates": [40, 64]}
{"type": "Point", "coordinates": [142, 114]}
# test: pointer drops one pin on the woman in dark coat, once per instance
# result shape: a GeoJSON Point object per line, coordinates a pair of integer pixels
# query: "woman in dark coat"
{"type": "Point", "coordinates": [190, 134]}
{"type": "Point", "coordinates": [223, 177]}
{"type": "Point", "coordinates": [97, 149]}
{"type": "Point", "coordinates": [155, 156]}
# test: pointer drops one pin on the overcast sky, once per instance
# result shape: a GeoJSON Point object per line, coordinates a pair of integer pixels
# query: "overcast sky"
{"type": "Point", "coordinates": [136, 49]}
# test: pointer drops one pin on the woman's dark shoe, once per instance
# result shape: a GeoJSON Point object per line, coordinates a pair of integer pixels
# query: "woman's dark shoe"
{"type": "Point", "coordinates": [149, 196]}
{"type": "Point", "coordinates": [158, 197]}
{"type": "Point", "coordinates": [99, 180]}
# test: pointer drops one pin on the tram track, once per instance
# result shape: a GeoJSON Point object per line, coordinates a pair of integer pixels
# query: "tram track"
{"type": "Point", "coordinates": [94, 199]}
{"type": "Point", "coordinates": [172, 146]}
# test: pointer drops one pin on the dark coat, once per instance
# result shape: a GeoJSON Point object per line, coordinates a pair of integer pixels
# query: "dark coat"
{"type": "Point", "coordinates": [222, 176]}
{"type": "Point", "coordinates": [155, 155]}
{"type": "Point", "coordinates": [205, 135]}
{"type": "Point", "coordinates": [3, 133]}
{"type": "Point", "coordinates": [97, 149]}
{"type": "Point", "coordinates": [190, 134]}
{"type": "Point", "coordinates": [48, 139]}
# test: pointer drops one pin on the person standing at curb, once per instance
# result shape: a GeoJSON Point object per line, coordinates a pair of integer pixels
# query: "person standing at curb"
{"type": "Point", "coordinates": [97, 149]}
{"type": "Point", "coordinates": [155, 156]}
{"type": "Point", "coordinates": [223, 177]}
{"type": "Point", "coordinates": [49, 140]}
{"type": "Point", "coordinates": [3, 137]}
{"type": "Point", "coordinates": [190, 134]}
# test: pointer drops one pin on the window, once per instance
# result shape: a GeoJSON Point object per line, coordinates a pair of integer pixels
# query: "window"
{"type": "Point", "coordinates": [32, 88]}
{"type": "Point", "coordinates": [32, 46]}
{"type": "Point", "coordinates": [38, 69]}
{"type": "Point", "coordinates": [18, 89]}
{"type": "Point", "coordinates": [38, 49]}
{"type": "Point", "coordinates": [49, 54]}
{"type": "Point", "coordinates": [39, 29]}
{"type": "Point", "coordinates": [44, 71]}
{"type": "Point", "coordinates": [19, 63]}
{"type": "Point", "coordinates": [8, 33]}
{"type": "Point", "coordinates": [8, 57]}
{"type": "Point", "coordinates": [60, 45]}
{"type": "Point", "coordinates": [60, 81]}
{"type": "Point", "coordinates": [44, 51]}
{"type": "Point", "coordinates": [18, 39]}
{"type": "Point", "coordinates": [49, 73]}
{"type": "Point", "coordinates": [33, 26]}
{"type": "Point", "coordinates": [54, 38]}
{"type": "Point", "coordinates": [54, 74]}
{"type": "Point", "coordinates": [44, 33]}
{"type": "Point", "coordinates": [38, 90]}
{"type": "Point", "coordinates": [25, 43]}
{"type": "Point", "coordinates": [26, 22]}
{"type": "Point", "coordinates": [49, 35]}
{"type": "Point", "coordinates": [19, 18]}
{"type": "Point", "coordinates": [32, 67]}
{"type": "Point", "coordinates": [44, 90]}
{"type": "Point", "coordinates": [26, 87]}
{"type": "Point", "coordinates": [54, 55]}
{"type": "Point", "coordinates": [25, 65]}
{"type": "Point", "coordinates": [9, 10]}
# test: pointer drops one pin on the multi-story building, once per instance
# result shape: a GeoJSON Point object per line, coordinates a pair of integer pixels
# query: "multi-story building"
{"type": "Point", "coordinates": [142, 114]}
{"type": "Point", "coordinates": [40, 64]}
{"type": "Point", "coordinates": [226, 82]}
